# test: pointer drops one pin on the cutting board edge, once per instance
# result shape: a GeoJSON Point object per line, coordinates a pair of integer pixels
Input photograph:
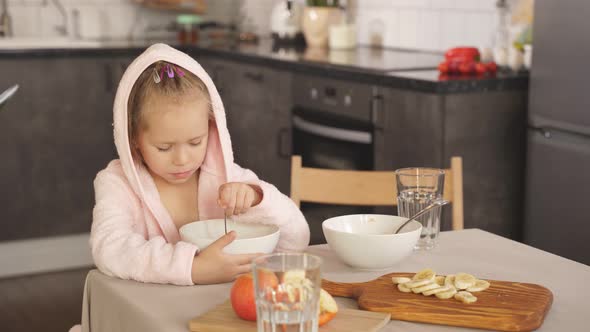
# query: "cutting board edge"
{"type": "Point", "coordinates": [522, 326]}
{"type": "Point", "coordinates": [379, 320]}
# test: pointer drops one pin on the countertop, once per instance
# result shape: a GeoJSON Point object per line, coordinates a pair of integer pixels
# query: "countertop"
{"type": "Point", "coordinates": [397, 68]}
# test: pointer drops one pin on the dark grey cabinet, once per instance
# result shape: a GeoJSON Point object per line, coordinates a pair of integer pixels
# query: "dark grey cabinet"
{"type": "Point", "coordinates": [486, 129]}
{"type": "Point", "coordinates": [55, 135]}
{"type": "Point", "coordinates": [409, 130]}
{"type": "Point", "coordinates": [257, 103]}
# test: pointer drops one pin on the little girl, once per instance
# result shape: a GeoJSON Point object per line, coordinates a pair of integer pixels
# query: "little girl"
{"type": "Point", "coordinates": [176, 166]}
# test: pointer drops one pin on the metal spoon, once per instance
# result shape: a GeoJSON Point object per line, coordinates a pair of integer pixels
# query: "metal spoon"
{"type": "Point", "coordinates": [438, 202]}
{"type": "Point", "coordinates": [225, 221]}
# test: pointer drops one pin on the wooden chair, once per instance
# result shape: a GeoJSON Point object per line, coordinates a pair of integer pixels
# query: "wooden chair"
{"type": "Point", "coordinates": [371, 188]}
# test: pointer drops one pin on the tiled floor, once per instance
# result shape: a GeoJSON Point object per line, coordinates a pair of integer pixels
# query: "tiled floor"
{"type": "Point", "coordinates": [45, 302]}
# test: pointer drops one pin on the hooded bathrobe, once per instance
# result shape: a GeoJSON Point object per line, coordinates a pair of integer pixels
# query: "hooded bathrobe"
{"type": "Point", "coordinates": [133, 235]}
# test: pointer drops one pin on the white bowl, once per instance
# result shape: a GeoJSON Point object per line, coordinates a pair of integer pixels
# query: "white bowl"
{"type": "Point", "coordinates": [251, 238]}
{"type": "Point", "coordinates": [366, 241]}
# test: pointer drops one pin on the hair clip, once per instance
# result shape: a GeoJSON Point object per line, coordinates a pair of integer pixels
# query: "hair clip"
{"type": "Point", "coordinates": [156, 77]}
{"type": "Point", "coordinates": [179, 72]}
{"type": "Point", "coordinates": [170, 71]}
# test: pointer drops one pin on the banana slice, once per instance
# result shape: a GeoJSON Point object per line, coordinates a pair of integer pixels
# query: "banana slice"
{"type": "Point", "coordinates": [437, 290]}
{"type": "Point", "coordinates": [418, 283]}
{"type": "Point", "coordinates": [428, 283]}
{"type": "Point", "coordinates": [447, 294]}
{"type": "Point", "coordinates": [480, 285]}
{"type": "Point", "coordinates": [450, 280]}
{"type": "Point", "coordinates": [327, 302]}
{"type": "Point", "coordinates": [293, 277]}
{"type": "Point", "coordinates": [425, 288]}
{"type": "Point", "coordinates": [404, 288]}
{"type": "Point", "coordinates": [440, 280]}
{"type": "Point", "coordinates": [464, 280]}
{"type": "Point", "coordinates": [400, 280]}
{"type": "Point", "coordinates": [426, 274]}
{"type": "Point", "coordinates": [465, 297]}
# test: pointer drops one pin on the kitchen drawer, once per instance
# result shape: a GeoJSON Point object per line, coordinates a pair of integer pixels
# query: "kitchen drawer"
{"type": "Point", "coordinates": [248, 84]}
{"type": "Point", "coordinates": [241, 83]}
{"type": "Point", "coordinates": [343, 98]}
{"type": "Point", "coordinates": [217, 71]}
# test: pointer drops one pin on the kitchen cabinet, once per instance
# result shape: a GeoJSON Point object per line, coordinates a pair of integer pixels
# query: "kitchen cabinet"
{"type": "Point", "coordinates": [486, 129]}
{"type": "Point", "coordinates": [408, 129]}
{"type": "Point", "coordinates": [55, 135]}
{"type": "Point", "coordinates": [257, 103]}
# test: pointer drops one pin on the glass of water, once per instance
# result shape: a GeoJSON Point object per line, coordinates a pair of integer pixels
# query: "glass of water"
{"type": "Point", "coordinates": [287, 287]}
{"type": "Point", "coordinates": [417, 187]}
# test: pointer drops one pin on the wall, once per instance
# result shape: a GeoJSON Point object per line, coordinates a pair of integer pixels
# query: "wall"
{"type": "Point", "coordinates": [419, 24]}
{"type": "Point", "coordinates": [101, 19]}
{"type": "Point", "coordinates": [427, 24]}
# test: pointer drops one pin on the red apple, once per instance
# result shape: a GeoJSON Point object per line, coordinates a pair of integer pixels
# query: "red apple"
{"type": "Point", "coordinates": [242, 293]}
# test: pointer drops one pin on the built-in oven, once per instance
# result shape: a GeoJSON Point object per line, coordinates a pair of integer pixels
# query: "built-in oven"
{"type": "Point", "coordinates": [333, 128]}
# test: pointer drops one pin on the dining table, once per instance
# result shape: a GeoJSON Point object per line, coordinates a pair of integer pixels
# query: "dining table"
{"type": "Point", "coordinates": [115, 305]}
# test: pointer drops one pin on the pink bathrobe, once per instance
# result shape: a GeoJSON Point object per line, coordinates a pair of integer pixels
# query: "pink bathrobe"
{"type": "Point", "coordinates": [133, 235]}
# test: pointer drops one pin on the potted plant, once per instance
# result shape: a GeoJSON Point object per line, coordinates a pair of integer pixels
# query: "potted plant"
{"type": "Point", "coordinates": [318, 15]}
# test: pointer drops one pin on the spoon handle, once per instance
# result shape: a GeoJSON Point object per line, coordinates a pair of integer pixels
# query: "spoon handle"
{"type": "Point", "coordinates": [225, 221]}
{"type": "Point", "coordinates": [439, 202]}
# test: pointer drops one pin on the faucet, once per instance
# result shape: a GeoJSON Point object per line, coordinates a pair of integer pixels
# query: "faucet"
{"type": "Point", "coordinates": [5, 21]}
{"type": "Point", "coordinates": [63, 28]}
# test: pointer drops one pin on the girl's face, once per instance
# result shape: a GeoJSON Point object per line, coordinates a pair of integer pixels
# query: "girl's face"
{"type": "Point", "coordinates": [173, 136]}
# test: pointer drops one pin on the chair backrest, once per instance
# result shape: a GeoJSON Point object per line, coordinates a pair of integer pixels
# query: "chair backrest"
{"type": "Point", "coordinates": [371, 188]}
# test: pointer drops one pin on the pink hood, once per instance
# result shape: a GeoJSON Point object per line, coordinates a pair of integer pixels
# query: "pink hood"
{"type": "Point", "coordinates": [219, 157]}
{"type": "Point", "coordinates": [133, 235]}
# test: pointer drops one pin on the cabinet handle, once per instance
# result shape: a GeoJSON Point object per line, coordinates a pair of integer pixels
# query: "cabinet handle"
{"type": "Point", "coordinates": [284, 143]}
{"type": "Point", "coordinates": [256, 77]}
{"type": "Point", "coordinates": [545, 132]}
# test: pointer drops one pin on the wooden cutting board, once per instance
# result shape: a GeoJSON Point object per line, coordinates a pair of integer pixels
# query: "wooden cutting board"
{"type": "Point", "coordinates": [223, 319]}
{"type": "Point", "coordinates": [505, 306]}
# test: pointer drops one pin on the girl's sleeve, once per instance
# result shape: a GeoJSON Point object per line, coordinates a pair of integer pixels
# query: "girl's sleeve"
{"type": "Point", "coordinates": [275, 208]}
{"type": "Point", "coordinates": [121, 251]}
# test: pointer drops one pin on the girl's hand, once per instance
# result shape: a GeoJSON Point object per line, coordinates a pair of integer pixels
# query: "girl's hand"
{"type": "Point", "coordinates": [213, 266]}
{"type": "Point", "coordinates": [237, 197]}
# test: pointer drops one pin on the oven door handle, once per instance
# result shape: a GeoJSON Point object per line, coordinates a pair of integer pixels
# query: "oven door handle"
{"type": "Point", "coordinates": [340, 134]}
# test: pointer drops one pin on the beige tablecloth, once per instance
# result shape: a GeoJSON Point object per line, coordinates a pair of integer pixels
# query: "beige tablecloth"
{"type": "Point", "coordinates": [113, 305]}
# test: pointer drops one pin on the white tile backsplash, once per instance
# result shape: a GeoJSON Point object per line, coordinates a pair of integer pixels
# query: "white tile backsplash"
{"type": "Point", "coordinates": [443, 4]}
{"type": "Point", "coordinates": [407, 3]}
{"type": "Point", "coordinates": [479, 27]}
{"type": "Point", "coordinates": [431, 24]}
{"type": "Point", "coordinates": [98, 19]}
{"type": "Point", "coordinates": [420, 24]}
{"type": "Point", "coordinates": [378, 28]}
{"type": "Point", "coordinates": [408, 28]}
{"type": "Point", "coordinates": [452, 29]}
{"type": "Point", "coordinates": [26, 21]}
{"type": "Point", "coordinates": [428, 30]}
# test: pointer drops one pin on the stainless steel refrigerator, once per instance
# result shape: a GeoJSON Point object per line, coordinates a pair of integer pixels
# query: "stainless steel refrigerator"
{"type": "Point", "coordinates": [557, 201]}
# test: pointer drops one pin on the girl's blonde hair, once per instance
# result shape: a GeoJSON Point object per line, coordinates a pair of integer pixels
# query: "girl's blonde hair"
{"type": "Point", "coordinates": [146, 85]}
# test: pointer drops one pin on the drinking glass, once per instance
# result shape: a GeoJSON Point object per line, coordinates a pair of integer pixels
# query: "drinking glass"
{"type": "Point", "coordinates": [287, 290]}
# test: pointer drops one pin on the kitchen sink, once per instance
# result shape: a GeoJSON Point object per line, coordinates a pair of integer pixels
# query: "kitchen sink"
{"type": "Point", "coordinates": [20, 43]}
